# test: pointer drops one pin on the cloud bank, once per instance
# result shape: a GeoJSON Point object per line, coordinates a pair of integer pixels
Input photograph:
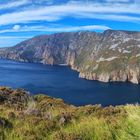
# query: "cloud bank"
{"type": "Point", "coordinates": [109, 11]}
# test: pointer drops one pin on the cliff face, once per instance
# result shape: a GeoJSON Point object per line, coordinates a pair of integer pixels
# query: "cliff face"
{"type": "Point", "coordinates": [108, 56]}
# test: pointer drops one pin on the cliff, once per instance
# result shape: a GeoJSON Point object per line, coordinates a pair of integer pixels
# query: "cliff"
{"type": "Point", "coordinates": [108, 56]}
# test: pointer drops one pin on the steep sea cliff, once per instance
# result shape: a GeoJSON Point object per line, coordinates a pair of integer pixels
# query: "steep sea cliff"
{"type": "Point", "coordinates": [108, 56]}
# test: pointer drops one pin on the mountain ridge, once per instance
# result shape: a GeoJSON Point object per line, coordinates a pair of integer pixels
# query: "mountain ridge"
{"type": "Point", "coordinates": [113, 55]}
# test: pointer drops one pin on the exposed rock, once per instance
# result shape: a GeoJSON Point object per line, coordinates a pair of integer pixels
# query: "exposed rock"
{"type": "Point", "coordinates": [17, 98]}
{"type": "Point", "coordinates": [109, 56]}
{"type": "Point", "coordinates": [34, 112]}
{"type": "Point", "coordinates": [48, 116]}
{"type": "Point", "coordinates": [62, 120]}
{"type": "Point", "coordinates": [133, 76]}
{"type": "Point", "coordinates": [104, 77]}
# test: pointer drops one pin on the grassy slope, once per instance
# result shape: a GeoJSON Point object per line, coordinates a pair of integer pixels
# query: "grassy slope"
{"type": "Point", "coordinates": [24, 117]}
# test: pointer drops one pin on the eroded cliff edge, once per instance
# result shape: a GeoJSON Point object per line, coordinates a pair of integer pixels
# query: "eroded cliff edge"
{"type": "Point", "coordinates": [108, 56]}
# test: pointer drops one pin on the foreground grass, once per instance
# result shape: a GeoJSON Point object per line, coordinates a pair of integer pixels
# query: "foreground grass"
{"type": "Point", "coordinates": [25, 117]}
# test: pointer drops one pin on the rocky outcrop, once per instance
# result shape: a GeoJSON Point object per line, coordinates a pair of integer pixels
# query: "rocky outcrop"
{"type": "Point", "coordinates": [17, 98]}
{"type": "Point", "coordinates": [131, 76]}
{"type": "Point", "coordinates": [108, 56]}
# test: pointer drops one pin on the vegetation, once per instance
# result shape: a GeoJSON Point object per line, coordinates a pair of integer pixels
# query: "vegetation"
{"type": "Point", "coordinates": [40, 117]}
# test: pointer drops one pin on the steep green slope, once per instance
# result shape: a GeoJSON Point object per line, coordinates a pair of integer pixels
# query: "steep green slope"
{"type": "Point", "coordinates": [40, 117]}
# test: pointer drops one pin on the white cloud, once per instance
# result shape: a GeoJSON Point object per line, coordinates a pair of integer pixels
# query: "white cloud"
{"type": "Point", "coordinates": [15, 37]}
{"type": "Point", "coordinates": [13, 4]}
{"type": "Point", "coordinates": [113, 17]}
{"type": "Point", "coordinates": [91, 10]}
{"type": "Point", "coordinates": [16, 27]}
{"type": "Point", "coordinates": [55, 28]}
{"type": "Point", "coordinates": [67, 28]}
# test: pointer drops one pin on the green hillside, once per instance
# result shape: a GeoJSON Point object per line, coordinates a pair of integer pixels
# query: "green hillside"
{"type": "Point", "coordinates": [40, 117]}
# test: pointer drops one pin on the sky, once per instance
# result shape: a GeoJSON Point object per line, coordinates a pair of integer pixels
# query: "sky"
{"type": "Point", "coordinates": [23, 19]}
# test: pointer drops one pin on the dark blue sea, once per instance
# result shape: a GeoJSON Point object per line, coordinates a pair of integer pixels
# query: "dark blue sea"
{"type": "Point", "coordinates": [62, 82]}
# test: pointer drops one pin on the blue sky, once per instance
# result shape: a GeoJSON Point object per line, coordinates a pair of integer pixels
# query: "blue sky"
{"type": "Point", "coordinates": [22, 19]}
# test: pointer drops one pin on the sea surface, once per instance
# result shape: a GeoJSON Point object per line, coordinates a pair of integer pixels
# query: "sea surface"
{"type": "Point", "coordinates": [62, 82]}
